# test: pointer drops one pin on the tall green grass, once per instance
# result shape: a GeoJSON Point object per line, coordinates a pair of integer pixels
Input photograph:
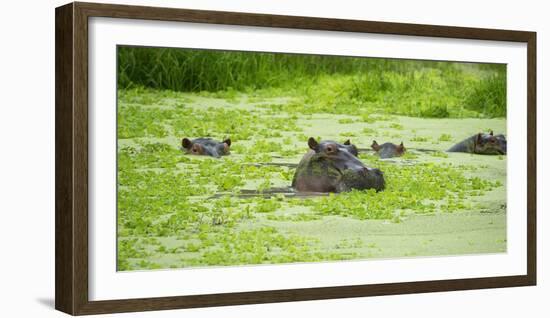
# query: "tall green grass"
{"type": "Point", "coordinates": [489, 96]}
{"type": "Point", "coordinates": [409, 87]}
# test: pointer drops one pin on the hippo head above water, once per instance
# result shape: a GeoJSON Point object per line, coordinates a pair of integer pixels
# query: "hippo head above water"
{"type": "Point", "coordinates": [388, 149]}
{"type": "Point", "coordinates": [206, 147]}
{"type": "Point", "coordinates": [350, 147]}
{"type": "Point", "coordinates": [490, 144]}
{"type": "Point", "coordinates": [333, 167]}
{"type": "Point", "coordinates": [483, 144]}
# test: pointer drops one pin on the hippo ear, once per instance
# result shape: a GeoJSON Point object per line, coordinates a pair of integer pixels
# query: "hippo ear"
{"type": "Point", "coordinates": [228, 142]}
{"type": "Point", "coordinates": [479, 138]}
{"type": "Point", "coordinates": [401, 147]}
{"type": "Point", "coordinates": [312, 143]}
{"type": "Point", "coordinates": [375, 146]}
{"type": "Point", "coordinates": [347, 142]}
{"type": "Point", "coordinates": [491, 133]}
{"type": "Point", "coordinates": [186, 143]}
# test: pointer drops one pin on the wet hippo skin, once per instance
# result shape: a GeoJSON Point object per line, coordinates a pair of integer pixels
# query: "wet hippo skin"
{"type": "Point", "coordinates": [333, 167]}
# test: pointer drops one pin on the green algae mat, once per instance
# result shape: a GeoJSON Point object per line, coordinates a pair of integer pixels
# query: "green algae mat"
{"type": "Point", "coordinates": [178, 210]}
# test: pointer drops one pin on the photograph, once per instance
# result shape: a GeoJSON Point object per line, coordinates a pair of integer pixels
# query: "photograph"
{"type": "Point", "coordinates": [242, 158]}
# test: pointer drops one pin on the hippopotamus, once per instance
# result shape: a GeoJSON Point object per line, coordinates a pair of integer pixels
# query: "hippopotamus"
{"type": "Point", "coordinates": [351, 148]}
{"type": "Point", "coordinates": [502, 141]}
{"type": "Point", "coordinates": [333, 167]}
{"type": "Point", "coordinates": [206, 147]}
{"type": "Point", "coordinates": [483, 144]}
{"type": "Point", "coordinates": [388, 149]}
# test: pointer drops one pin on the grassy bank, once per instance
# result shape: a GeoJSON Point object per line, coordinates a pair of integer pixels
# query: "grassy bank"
{"type": "Point", "coordinates": [323, 83]}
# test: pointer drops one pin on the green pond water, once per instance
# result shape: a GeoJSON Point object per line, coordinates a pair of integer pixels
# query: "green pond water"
{"type": "Point", "coordinates": [178, 210]}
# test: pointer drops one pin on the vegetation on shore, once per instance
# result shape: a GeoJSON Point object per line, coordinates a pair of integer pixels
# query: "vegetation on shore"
{"type": "Point", "coordinates": [320, 83]}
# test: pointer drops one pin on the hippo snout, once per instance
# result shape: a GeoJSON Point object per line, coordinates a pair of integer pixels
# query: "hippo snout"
{"type": "Point", "coordinates": [377, 177]}
{"type": "Point", "coordinates": [363, 178]}
{"type": "Point", "coordinates": [377, 172]}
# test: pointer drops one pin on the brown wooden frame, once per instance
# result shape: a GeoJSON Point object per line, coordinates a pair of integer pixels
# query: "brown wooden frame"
{"type": "Point", "coordinates": [71, 157]}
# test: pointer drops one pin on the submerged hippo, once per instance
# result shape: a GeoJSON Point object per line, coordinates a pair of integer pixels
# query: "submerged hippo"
{"type": "Point", "coordinates": [388, 149]}
{"type": "Point", "coordinates": [483, 144]}
{"type": "Point", "coordinates": [206, 147]}
{"type": "Point", "coordinates": [350, 147]}
{"type": "Point", "coordinates": [333, 167]}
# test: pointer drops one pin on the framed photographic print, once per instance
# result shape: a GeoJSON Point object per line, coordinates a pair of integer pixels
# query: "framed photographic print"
{"type": "Point", "coordinates": [211, 158]}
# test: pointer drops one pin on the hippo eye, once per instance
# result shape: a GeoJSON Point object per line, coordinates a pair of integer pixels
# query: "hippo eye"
{"type": "Point", "coordinates": [196, 149]}
{"type": "Point", "coordinates": [331, 149]}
